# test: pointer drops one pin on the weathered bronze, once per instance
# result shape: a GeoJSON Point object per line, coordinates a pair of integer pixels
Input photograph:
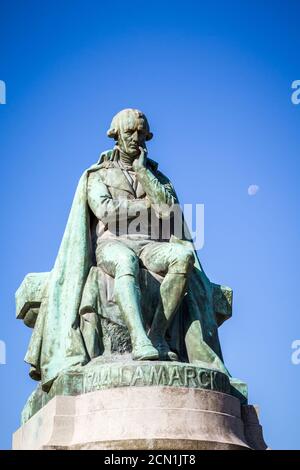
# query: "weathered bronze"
{"type": "Point", "coordinates": [123, 288]}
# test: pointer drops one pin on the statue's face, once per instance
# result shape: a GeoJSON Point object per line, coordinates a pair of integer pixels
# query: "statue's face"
{"type": "Point", "coordinates": [132, 135]}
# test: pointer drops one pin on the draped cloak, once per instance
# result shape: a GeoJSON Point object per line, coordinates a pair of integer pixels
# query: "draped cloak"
{"type": "Point", "coordinates": [58, 341]}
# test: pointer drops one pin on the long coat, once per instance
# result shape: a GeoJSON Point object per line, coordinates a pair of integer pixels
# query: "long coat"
{"type": "Point", "coordinates": [61, 339]}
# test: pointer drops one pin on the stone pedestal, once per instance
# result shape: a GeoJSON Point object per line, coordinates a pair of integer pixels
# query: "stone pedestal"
{"type": "Point", "coordinates": [156, 417]}
{"type": "Point", "coordinates": [125, 404]}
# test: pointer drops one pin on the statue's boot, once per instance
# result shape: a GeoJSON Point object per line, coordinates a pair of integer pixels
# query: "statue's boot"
{"type": "Point", "coordinates": [172, 290]}
{"type": "Point", "coordinates": [127, 296]}
{"type": "Point", "coordinates": [164, 351]}
{"type": "Point", "coordinates": [144, 352]}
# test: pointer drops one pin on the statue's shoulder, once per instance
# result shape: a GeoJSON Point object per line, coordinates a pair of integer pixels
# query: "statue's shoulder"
{"type": "Point", "coordinates": [162, 177]}
{"type": "Point", "coordinates": [104, 163]}
{"type": "Point", "coordinates": [106, 159]}
{"type": "Point", "coordinates": [159, 174]}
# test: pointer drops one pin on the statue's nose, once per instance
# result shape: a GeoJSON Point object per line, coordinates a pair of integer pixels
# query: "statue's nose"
{"type": "Point", "coordinates": [135, 136]}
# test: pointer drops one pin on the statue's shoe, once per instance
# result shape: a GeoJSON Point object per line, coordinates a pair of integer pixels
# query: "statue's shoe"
{"type": "Point", "coordinates": [165, 354]}
{"type": "Point", "coordinates": [145, 352]}
{"type": "Point", "coordinates": [161, 345]}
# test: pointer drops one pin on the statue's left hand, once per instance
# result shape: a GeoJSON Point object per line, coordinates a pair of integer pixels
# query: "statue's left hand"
{"type": "Point", "coordinates": [140, 162]}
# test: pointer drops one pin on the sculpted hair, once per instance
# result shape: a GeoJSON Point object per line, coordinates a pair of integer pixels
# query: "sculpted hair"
{"type": "Point", "coordinates": [113, 131]}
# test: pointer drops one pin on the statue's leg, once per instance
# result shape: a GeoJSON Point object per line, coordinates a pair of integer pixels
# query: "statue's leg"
{"type": "Point", "coordinates": [175, 261]}
{"type": "Point", "coordinates": [120, 262]}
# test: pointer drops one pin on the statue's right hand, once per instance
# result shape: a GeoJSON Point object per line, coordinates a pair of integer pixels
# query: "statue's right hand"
{"type": "Point", "coordinates": [140, 161]}
{"type": "Point", "coordinates": [148, 203]}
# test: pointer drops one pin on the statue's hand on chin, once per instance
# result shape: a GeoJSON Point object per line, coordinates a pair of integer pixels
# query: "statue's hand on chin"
{"type": "Point", "coordinates": [140, 161]}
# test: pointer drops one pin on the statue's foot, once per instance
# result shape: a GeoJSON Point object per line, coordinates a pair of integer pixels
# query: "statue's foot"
{"type": "Point", "coordinates": [145, 352]}
{"type": "Point", "coordinates": [165, 354]}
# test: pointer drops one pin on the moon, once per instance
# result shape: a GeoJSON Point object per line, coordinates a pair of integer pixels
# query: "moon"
{"type": "Point", "coordinates": [253, 189]}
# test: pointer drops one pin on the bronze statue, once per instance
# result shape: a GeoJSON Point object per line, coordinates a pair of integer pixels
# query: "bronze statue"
{"type": "Point", "coordinates": [118, 285]}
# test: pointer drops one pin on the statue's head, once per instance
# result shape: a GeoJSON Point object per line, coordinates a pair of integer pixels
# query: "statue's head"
{"type": "Point", "coordinates": [130, 129]}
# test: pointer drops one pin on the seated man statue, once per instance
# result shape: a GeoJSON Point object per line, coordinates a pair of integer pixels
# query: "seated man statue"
{"type": "Point", "coordinates": [125, 184]}
{"type": "Point", "coordinates": [108, 231]}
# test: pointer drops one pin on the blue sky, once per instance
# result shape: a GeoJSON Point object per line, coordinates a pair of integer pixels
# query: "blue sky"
{"type": "Point", "coordinates": [214, 79]}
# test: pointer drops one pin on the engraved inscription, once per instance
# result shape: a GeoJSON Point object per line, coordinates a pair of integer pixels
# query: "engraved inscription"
{"type": "Point", "coordinates": [172, 375]}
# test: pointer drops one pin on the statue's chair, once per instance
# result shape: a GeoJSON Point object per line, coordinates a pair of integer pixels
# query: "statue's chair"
{"type": "Point", "coordinates": [98, 301]}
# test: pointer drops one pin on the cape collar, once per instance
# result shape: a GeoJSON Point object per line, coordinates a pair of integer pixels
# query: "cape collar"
{"type": "Point", "coordinates": [111, 155]}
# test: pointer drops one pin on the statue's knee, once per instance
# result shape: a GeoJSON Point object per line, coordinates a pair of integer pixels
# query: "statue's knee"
{"type": "Point", "coordinates": [127, 264]}
{"type": "Point", "coordinates": [187, 259]}
{"type": "Point", "coordinates": [183, 261]}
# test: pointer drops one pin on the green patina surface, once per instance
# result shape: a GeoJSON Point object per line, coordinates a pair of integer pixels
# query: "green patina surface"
{"type": "Point", "coordinates": [109, 294]}
{"type": "Point", "coordinates": [99, 375]}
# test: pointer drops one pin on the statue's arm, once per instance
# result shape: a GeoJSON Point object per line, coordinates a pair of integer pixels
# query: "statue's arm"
{"type": "Point", "coordinates": [105, 207]}
{"type": "Point", "coordinates": [159, 190]}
